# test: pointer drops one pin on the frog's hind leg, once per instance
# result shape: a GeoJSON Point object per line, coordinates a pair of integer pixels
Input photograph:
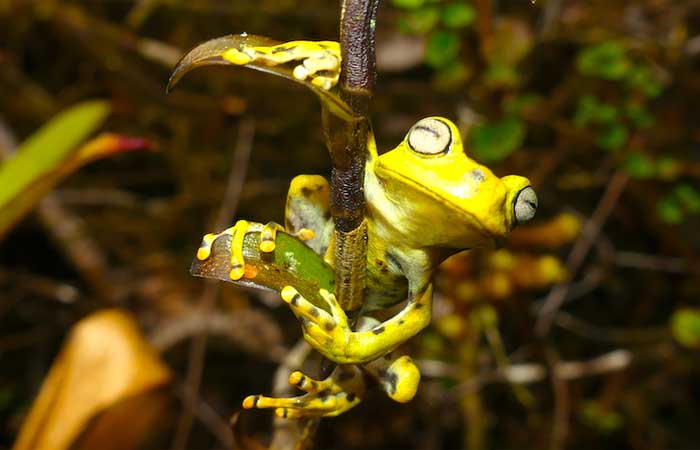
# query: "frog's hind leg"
{"type": "Point", "coordinates": [396, 374]}
{"type": "Point", "coordinates": [307, 214]}
{"type": "Point", "coordinates": [324, 398]}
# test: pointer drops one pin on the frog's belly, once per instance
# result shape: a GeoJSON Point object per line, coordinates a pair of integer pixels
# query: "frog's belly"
{"type": "Point", "coordinates": [384, 289]}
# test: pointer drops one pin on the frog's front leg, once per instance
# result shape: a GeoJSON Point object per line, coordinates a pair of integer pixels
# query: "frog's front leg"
{"type": "Point", "coordinates": [319, 61]}
{"type": "Point", "coordinates": [342, 390]}
{"type": "Point", "coordinates": [330, 332]}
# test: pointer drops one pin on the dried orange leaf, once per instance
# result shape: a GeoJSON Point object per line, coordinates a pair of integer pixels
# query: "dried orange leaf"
{"type": "Point", "coordinates": [104, 363]}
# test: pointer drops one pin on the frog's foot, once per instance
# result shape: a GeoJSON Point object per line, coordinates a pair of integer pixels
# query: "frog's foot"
{"type": "Point", "coordinates": [319, 61]}
{"type": "Point", "coordinates": [328, 330]}
{"type": "Point", "coordinates": [324, 398]}
{"type": "Point", "coordinates": [237, 232]}
{"type": "Point", "coordinates": [397, 375]}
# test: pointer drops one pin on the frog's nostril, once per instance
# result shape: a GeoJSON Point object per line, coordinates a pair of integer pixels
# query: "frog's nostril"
{"type": "Point", "coordinates": [525, 205]}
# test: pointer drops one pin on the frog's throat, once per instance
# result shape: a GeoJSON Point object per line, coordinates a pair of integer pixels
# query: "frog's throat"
{"type": "Point", "coordinates": [451, 205]}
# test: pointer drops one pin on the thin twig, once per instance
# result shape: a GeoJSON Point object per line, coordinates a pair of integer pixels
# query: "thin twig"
{"type": "Point", "coordinates": [578, 254]}
{"type": "Point", "coordinates": [241, 156]}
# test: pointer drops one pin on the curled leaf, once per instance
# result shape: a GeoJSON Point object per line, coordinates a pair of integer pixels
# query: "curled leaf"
{"type": "Point", "coordinates": [292, 263]}
{"type": "Point", "coordinates": [214, 51]}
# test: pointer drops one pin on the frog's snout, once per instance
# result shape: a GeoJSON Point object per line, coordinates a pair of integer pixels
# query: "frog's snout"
{"type": "Point", "coordinates": [525, 205]}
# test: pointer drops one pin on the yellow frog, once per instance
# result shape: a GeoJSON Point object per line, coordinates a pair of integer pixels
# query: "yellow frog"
{"type": "Point", "coordinates": [426, 200]}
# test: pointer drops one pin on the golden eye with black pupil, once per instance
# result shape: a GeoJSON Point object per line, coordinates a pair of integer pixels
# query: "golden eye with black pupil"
{"type": "Point", "coordinates": [430, 137]}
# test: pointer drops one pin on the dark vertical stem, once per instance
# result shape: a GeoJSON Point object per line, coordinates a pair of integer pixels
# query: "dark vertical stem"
{"type": "Point", "coordinates": [347, 141]}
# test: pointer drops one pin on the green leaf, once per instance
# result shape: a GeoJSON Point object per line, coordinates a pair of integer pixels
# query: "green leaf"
{"type": "Point", "coordinates": [607, 60]}
{"type": "Point", "coordinates": [613, 137]}
{"type": "Point", "coordinates": [668, 168]}
{"type": "Point", "coordinates": [689, 197]}
{"type": "Point", "coordinates": [47, 157]}
{"type": "Point", "coordinates": [639, 116]}
{"type": "Point", "coordinates": [601, 418]}
{"type": "Point", "coordinates": [292, 263]}
{"type": "Point", "coordinates": [685, 327]}
{"type": "Point", "coordinates": [420, 21]}
{"type": "Point", "coordinates": [493, 142]}
{"type": "Point", "coordinates": [442, 48]}
{"type": "Point", "coordinates": [642, 79]}
{"type": "Point", "coordinates": [521, 103]}
{"type": "Point", "coordinates": [670, 210]}
{"type": "Point", "coordinates": [639, 165]}
{"type": "Point", "coordinates": [591, 110]}
{"type": "Point", "coordinates": [408, 4]}
{"type": "Point", "coordinates": [458, 15]}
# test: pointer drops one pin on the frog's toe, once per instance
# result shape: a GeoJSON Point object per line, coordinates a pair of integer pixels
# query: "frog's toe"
{"type": "Point", "coordinates": [334, 395]}
{"type": "Point", "coordinates": [401, 379]}
{"type": "Point", "coordinates": [310, 313]}
{"type": "Point", "coordinates": [268, 236]}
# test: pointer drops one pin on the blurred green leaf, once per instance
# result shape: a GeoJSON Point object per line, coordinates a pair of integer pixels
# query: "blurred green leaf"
{"type": "Point", "coordinates": [613, 137]}
{"type": "Point", "coordinates": [668, 168]}
{"type": "Point", "coordinates": [493, 142]}
{"type": "Point", "coordinates": [601, 418]}
{"type": "Point", "coordinates": [442, 48]}
{"type": "Point", "coordinates": [607, 60]}
{"type": "Point", "coordinates": [421, 21]}
{"type": "Point", "coordinates": [639, 115]}
{"type": "Point", "coordinates": [641, 78]}
{"type": "Point", "coordinates": [685, 327]}
{"type": "Point", "coordinates": [670, 210]}
{"type": "Point", "coordinates": [639, 165]}
{"type": "Point", "coordinates": [408, 4]}
{"type": "Point", "coordinates": [519, 104]}
{"type": "Point", "coordinates": [591, 110]}
{"type": "Point", "coordinates": [451, 76]}
{"type": "Point", "coordinates": [458, 15]}
{"type": "Point", "coordinates": [51, 154]}
{"type": "Point", "coordinates": [689, 197]}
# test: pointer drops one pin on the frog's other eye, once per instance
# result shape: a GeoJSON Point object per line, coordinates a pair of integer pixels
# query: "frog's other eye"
{"type": "Point", "coordinates": [525, 205]}
{"type": "Point", "coordinates": [430, 137]}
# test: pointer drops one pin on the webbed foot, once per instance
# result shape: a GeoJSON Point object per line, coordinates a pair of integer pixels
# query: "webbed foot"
{"type": "Point", "coordinates": [319, 61]}
{"type": "Point", "coordinates": [324, 398]}
{"type": "Point", "coordinates": [268, 233]}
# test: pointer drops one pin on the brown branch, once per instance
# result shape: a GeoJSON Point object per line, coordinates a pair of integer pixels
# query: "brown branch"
{"type": "Point", "coordinates": [347, 141]}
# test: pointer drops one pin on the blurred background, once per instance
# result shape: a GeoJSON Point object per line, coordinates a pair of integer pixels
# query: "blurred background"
{"type": "Point", "coordinates": [582, 332]}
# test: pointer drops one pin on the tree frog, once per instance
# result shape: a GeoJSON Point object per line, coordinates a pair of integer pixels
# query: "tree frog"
{"type": "Point", "coordinates": [425, 200]}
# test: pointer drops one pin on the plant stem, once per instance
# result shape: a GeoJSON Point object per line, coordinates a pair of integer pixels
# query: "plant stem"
{"type": "Point", "coordinates": [347, 141]}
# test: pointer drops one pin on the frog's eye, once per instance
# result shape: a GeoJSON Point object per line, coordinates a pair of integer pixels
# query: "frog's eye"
{"type": "Point", "coordinates": [525, 205]}
{"type": "Point", "coordinates": [430, 137]}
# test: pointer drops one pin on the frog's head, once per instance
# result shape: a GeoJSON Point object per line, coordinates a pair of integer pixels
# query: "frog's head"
{"type": "Point", "coordinates": [445, 198]}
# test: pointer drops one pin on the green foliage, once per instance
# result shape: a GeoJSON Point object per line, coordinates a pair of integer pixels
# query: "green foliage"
{"type": "Point", "coordinates": [683, 200]}
{"type": "Point", "coordinates": [495, 141]}
{"type": "Point", "coordinates": [639, 165]}
{"type": "Point", "coordinates": [607, 60]}
{"type": "Point", "coordinates": [420, 21]}
{"type": "Point", "coordinates": [601, 418]}
{"type": "Point", "coordinates": [442, 48]}
{"type": "Point", "coordinates": [45, 158]}
{"type": "Point", "coordinates": [408, 4]}
{"type": "Point", "coordinates": [458, 15]}
{"type": "Point", "coordinates": [685, 327]}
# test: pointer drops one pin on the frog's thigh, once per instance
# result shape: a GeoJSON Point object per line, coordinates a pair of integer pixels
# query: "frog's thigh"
{"type": "Point", "coordinates": [307, 214]}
